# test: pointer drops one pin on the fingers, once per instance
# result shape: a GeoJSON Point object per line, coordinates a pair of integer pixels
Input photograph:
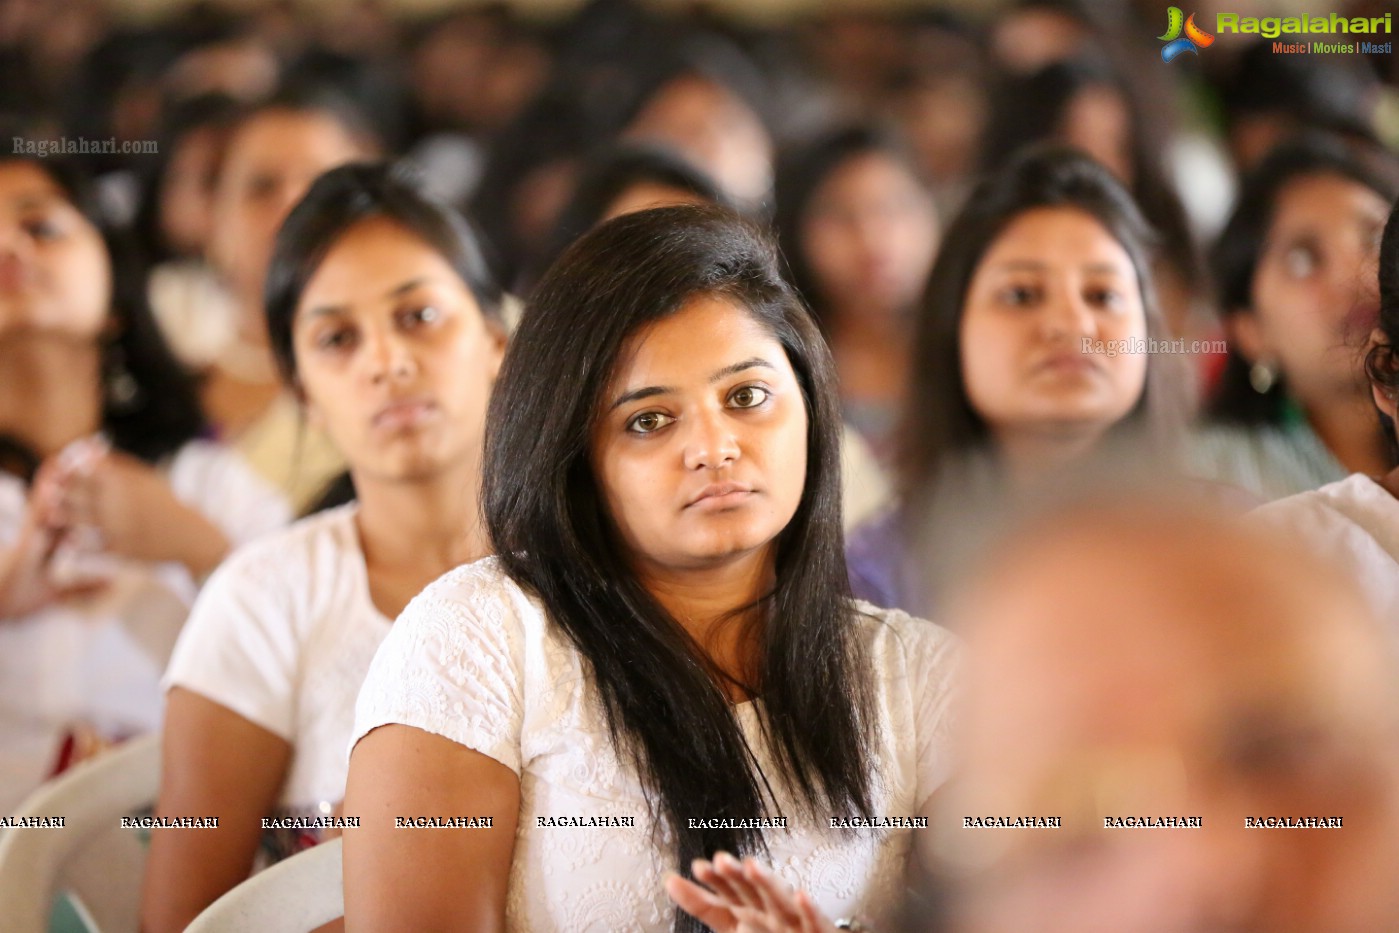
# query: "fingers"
{"type": "Point", "coordinates": [813, 921]}
{"type": "Point", "coordinates": [705, 906]}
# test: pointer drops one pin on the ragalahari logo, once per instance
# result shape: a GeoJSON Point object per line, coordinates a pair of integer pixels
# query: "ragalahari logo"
{"type": "Point", "coordinates": [1176, 43]}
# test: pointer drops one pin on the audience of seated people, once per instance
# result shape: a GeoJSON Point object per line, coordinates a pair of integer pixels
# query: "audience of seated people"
{"type": "Point", "coordinates": [638, 566]}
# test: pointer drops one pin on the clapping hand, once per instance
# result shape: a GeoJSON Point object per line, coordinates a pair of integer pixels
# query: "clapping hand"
{"type": "Point", "coordinates": [743, 897]}
{"type": "Point", "coordinates": [27, 581]}
{"type": "Point", "coordinates": [129, 509]}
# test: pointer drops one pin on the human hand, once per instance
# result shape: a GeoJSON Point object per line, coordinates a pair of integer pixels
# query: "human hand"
{"type": "Point", "coordinates": [130, 509]}
{"type": "Point", "coordinates": [27, 580]}
{"type": "Point", "coordinates": [743, 897]}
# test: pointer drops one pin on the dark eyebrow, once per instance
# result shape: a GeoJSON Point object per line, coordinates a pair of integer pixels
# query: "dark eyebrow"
{"type": "Point", "coordinates": [395, 292]}
{"type": "Point", "coordinates": [736, 368]}
{"type": "Point", "coordinates": [732, 369]}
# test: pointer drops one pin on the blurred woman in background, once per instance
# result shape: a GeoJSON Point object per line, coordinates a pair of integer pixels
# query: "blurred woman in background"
{"type": "Point", "coordinates": [276, 152]}
{"type": "Point", "coordinates": [1296, 269]}
{"type": "Point", "coordinates": [860, 232]}
{"type": "Point", "coordinates": [1026, 360]}
{"type": "Point", "coordinates": [112, 509]}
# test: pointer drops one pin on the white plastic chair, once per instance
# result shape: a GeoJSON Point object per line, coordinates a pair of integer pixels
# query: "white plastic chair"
{"type": "Point", "coordinates": [295, 895]}
{"type": "Point", "coordinates": [92, 858]}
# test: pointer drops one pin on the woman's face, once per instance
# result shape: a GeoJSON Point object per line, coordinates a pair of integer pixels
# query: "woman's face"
{"type": "Point", "coordinates": [713, 128]}
{"type": "Point", "coordinates": [869, 234]}
{"type": "Point", "coordinates": [187, 191]}
{"type": "Point", "coordinates": [55, 273]}
{"type": "Point", "coordinates": [700, 445]}
{"type": "Point", "coordinates": [1098, 122]}
{"type": "Point", "coordinates": [394, 358]}
{"type": "Point", "coordinates": [1315, 290]}
{"type": "Point", "coordinates": [271, 162]}
{"type": "Point", "coordinates": [1054, 280]}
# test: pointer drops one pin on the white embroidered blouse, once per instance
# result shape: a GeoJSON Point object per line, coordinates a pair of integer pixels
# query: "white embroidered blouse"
{"type": "Point", "coordinates": [474, 659]}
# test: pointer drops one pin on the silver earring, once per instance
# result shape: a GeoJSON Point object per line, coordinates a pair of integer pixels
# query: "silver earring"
{"type": "Point", "coordinates": [122, 390]}
{"type": "Point", "coordinates": [1262, 377]}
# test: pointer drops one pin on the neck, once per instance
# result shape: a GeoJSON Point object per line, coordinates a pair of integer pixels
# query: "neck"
{"type": "Point", "coordinates": [430, 525]}
{"type": "Point", "coordinates": [1349, 428]}
{"type": "Point", "coordinates": [867, 327]}
{"type": "Point", "coordinates": [704, 601]}
{"type": "Point", "coordinates": [1028, 455]}
{"type": "Point", "coordinates": [50, 389]}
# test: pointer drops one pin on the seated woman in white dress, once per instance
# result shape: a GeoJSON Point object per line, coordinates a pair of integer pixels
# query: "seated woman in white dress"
{"type": "Point", "coordinates": [387, 324]}
{"type": "Point", "coordinates": [664, 661]}
{"type": "Point", "coordinates": [112, 509]}
{"type": "Point", "coordinates": [1356, 519]}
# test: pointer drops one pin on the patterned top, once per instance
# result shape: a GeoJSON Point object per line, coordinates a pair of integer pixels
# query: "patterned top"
{"type": "Point", "coordinates": [474, 659]}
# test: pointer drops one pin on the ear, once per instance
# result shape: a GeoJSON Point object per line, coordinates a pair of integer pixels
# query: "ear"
{"type": "Point", "coordinates": [1383, 395]}
{"type": "Point", "coordinates": [497, 337]}
{"type": "Point", "coordinates": [1246, 332]}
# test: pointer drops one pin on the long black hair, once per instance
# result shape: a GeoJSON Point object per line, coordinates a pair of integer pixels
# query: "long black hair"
{"type": "Point", "coordinates": [150, 404]}
{"type": "Point", "coordinates": [548, 522]}
{"type": "Point", "coordinates": [338, 200]}
{"type": "Point", "coordinates": [1240, 245]}
{"type": "Point", "coordinates": [1381, 364]}
{"type": "Point", "coordinates": [940, 424]}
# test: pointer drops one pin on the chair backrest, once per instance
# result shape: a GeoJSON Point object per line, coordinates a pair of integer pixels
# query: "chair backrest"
{"type": "Point", "coordinates": [92, 858]}
{"type": "Point", "coordinates": [295, 895]}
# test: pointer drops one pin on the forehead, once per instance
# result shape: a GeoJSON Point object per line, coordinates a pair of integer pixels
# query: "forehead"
{"type": "Point", "coordinates": [684, 348]}
{"type": "Point", "coordinates": [372, 256]}
{"type": "Point", "coordinates": [1060, 236]}
{"type": "Point", "coordinates": [273, 136]}
{"type": "Point", "coordinates": [1327, 197]}
{"type": "Point", "coordinates": [24, 181]}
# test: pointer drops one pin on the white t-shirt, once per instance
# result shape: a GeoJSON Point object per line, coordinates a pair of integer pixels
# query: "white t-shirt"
{"type": "Point", "coordinates": [282, 635]}
{"type": "Point", "coordinates": [1354, 521]}
{"type": "Point", "coordinates": [474, 659]}
{"type": "Point", "coordinates": [98, 661]}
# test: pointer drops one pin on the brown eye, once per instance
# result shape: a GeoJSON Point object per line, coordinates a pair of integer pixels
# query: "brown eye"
{"type": "Point", "coordinates": [648, 422]}
{"type": "Point", "coordinates": [749, 396]}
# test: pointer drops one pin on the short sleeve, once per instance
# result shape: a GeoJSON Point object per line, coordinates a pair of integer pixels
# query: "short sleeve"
{"type": "Point", "coordinates": [238, 647]}
{"type": "Point", "coordinates": [453, 665]}
{"type": "Point", "coordinates": [934, 661]}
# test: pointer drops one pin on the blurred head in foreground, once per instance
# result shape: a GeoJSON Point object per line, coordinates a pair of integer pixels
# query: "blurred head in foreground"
{"type": "Point", "coordinates": [1155, 660]}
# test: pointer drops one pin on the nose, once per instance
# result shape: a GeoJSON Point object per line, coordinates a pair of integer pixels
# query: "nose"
{"type": "Point", "coordinates": [1067, 315]}
{"type": "Point", "coordinates": [388, 355]}
{"type": "Point", "coordinates": [710, 441]}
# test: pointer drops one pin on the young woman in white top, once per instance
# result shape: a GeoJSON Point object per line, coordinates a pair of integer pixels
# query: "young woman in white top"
{"type": "Point", "coordinates": [386, 324]}
{"type": "Point", "coordinates": [665, 653]}
{"type": "Point", "coordinates": [112, 510]}
{"type": "Point", "coordinates": [1356, 519]}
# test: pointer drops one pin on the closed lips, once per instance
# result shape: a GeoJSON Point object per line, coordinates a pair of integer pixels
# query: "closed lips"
{"type": "Point", "coordinates": [404, 412]}
{"type": "Point", "coordinates": [716, 490]}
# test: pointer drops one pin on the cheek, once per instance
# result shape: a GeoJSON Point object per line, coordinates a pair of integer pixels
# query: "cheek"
{"type": "Point", "coordinates": [83, 281]}
{"type": "Point", "coordinates": [986, 368]}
